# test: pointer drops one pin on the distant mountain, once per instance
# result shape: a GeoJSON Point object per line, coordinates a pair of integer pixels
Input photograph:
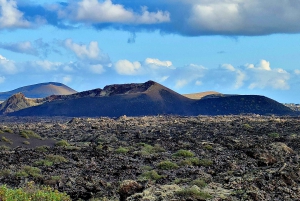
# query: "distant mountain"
{"type": "Point", "coordinates": [17, 102]}
{"type": "Point", "coordinates": [200, 95]}
{"type": "Point", "coordinates": [149, 98]}
{"type": "Point", "coordinates": [39, 90]}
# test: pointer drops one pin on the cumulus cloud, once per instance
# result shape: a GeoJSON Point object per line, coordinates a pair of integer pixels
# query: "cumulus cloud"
{"type": "Point", "coordinates": [10, 16]}
{"type": "Point", "coordinates": [185, 17]}
{"type": "Point", "coordinates": [7, 66]}
{"type": "Point", "coordinates": [125, 67]}
{"type": "Point", "coordinates": [46, 65]}
{"type": "Point", "coordinates": [93, 11]}
{"type": "Point", "coordinates": [89, 52]}
{"type": "Point", "coordinates": [157, 63]}
{"type": "Point", "coordinates": [258, 76]}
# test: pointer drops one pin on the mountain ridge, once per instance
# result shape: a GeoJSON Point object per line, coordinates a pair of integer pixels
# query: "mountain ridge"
{"type": "Point", "coordinates": [40, 90]}
{"type": "Point", "coordinates": [149, 98]}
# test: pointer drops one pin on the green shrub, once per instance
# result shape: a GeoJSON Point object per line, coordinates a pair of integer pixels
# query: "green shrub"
{"type": "Point", "coordinates": [274, 135]}
{"type": "Point", "coordinates": [167, 165]}
{"type": "Point", "coordinates": [26, 142]}
{"type": "Point", "coordinates": [56, 159]}
{"type": "Point", "coordinates": [208, 147]}
{"type": "Point", "coordinates": [8, 130]}
{"type": "Point", "coordinates": [62, 143]}
{"type": "Point", "coordinates": [4, 148]}
{"type": "Point", "coordinates": [28, 133]}
{"type": "Point", "coordinates": [151, 175]}
{"type": "Point", "coordinates": [42, 148]}
{"type": "Point", "coordinates": [190, 161]}
{"type": "Point", "coordinates": [205, 162]}
{"type": "Point", "coordinates": [184, 153]}
{"type": "Point", "coordinates": [199, 182]}
{"type": "Point", "coordinates": [33, 193]}
{"type": "Point", "coordinates": [4, 139]}
{"type": "Point", "coordinates": [193, 193]}
{"type": "Point", "coordinates": [5, 172]}
{"type": "Point", "coordinates": [43, 163]}
{"type": "Point", "coordinates": [148, 149]}
{"type": "Point", "coordinates": [32, 171]}
{"type": "Point", "coordinates": [247, 126]}
{"type": "Point", "coordinates": [122, 150]}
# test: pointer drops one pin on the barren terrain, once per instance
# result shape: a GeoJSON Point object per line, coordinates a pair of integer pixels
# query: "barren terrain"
{"type": "Point", "coordinates": [155, 157]}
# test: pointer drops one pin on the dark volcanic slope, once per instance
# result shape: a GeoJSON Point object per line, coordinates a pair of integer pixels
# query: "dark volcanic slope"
{"type": "Point", "coordinates": [39, 90]}
{"type": "Point", "coordinates": [241, 104]}
{"type": "Point", "coordinates": [149, 98]}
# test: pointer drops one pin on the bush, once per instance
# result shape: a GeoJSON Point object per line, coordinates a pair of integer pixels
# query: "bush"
{"type": "Point", "coordinates": [193, 193]}
{"type": "Point", "coordinates": [43, 163]}
{"type": "Point", "coordinates": [62, 143]}
{"type": "Point", "coordinates": [190, 161]}
{"type": "Point", "coordinates": [4, 148]}
{"type": "Point", "coordinates": [205, 162]}
{"type": "Point", "coordinates": [28, 133]}
{"type": "Point", "coordinates": [8, 130]}
{"type": "Point", "coordinates": [28, 170]}
{"type": "Point", "coordinates": [42, 148]}
{"type": "Point", "coordinates": [5, 172]}
{"type": "Point", "coordinates": [208, 147]}
{"type": "Point", "coordinates": [56, 159]}
{"type": "Point", "coordinates": [148, 149]}
{"type": "Point", "coordinates": [199, 182]}
{"type": "Point", "coordinates": [274, 135]}
{"type": "Point", "coordinates": [26, 142]}
{"type": "Point", "coordinates": [167, 165]}
{"type": "Point", "coordinates": [184, 153]}
{"type": "Point", "coordinates": [151, 175]}
{"type": "Point", "coordinates": [33, 193]}
{"type": "Point", "coordinates": [121, 150]}
{"type": "Point", "coordinates": [4, 139]}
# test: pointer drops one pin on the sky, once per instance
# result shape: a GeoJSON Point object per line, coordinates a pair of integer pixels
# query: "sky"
{"type": "Point", "coordinates": [190, 46]}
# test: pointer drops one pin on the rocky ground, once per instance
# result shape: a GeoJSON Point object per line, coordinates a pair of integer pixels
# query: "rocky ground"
{"type": "Point", "coordinates": [156, 158]}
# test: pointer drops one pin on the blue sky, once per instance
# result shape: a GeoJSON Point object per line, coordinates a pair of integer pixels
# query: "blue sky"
{"type": "Point", "coordinates": [232, 46]}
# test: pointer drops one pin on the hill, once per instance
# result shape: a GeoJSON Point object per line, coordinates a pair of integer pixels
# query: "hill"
{"type": "Point", "coordinates": [39, 90]}
{"type": "Point", "coordinates": [200, 95]}
{"type": "Point", "coordinates": [149, 98]}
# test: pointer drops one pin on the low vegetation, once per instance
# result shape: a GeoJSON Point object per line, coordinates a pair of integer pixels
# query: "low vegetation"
{"type": "Point", "coordinates": [167, 165]}
{"type": "Point", "coordinates": [33, 193]}
{"type": "Point", "coordinates": [192, 193]}
{"type": "Point", "coordinates": [150, 175]}
{"type": "Point", "coordinates": [184, 153]}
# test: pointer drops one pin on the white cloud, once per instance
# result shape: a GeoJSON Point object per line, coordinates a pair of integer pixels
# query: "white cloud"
{"type": "Point", "coordinates": [125, 67]}
{"type": "Point", "coordinates": [47, 65]}
{"type": "Point", "coordinates": [10, 16]}
{"type": "Point", "coordinates": [89, 52]}
{"type": "Point", "coordinates": [82, 51]}
{"type": "Point", "coordinates": [93, 11]}
{"type": "Point", "coordinates": [97, 69]}
{"type": "Point", "coordinates": [7, 66]}
{"type": "Point", "coordinates": [157, 62]}
{"type": "Point", "coordinates": [21, 47]}
{"type": "Point", "coordinates": [239, 17]}
{"type": "Point", "coordinates": [228, 67]}
{"type": "Point", "coordinates": [2, 58]}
